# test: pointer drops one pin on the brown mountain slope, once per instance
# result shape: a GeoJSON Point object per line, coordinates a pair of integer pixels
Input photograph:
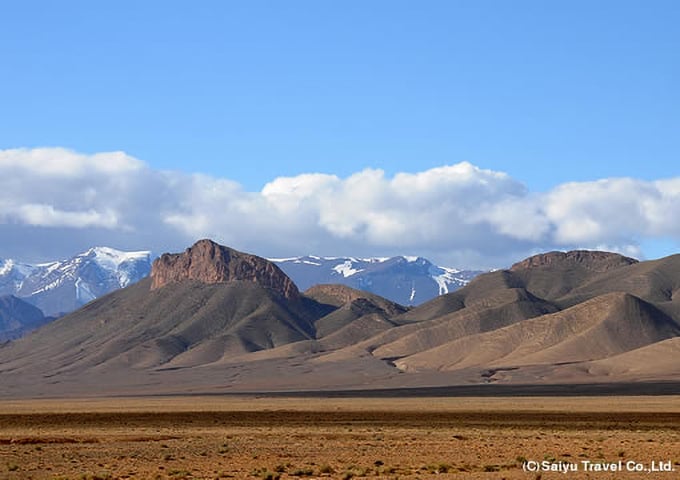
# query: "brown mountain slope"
{"type": "Point", "coordinates": [657, 362]}
{"type": "Point", "coordinates": [489, 301]}
{"type": "Point", "coordinates": [497, 310]}
{"type": "Point", "coordinates": [358, 315]}
{"type": "Point", "coordinates": [599, 328]}
{"type": "Point", "coordinates": [656, 281]}
{"type": "Point", "coordinates": [501, 319]}
{"type": "Point", "coordinates": [188, 321]}
{"type": "Point", "coordinates": [339, 295]}
{"type": "Point", "coordinates": [553, 275]}
{"type": "Point", "coordinates": [197, 307]}
{"type": "Point", "coordinates": [651, 362]}
{"type": "Point", "coordinates": [480, 288]}
{"type": "Point", "coordinates": [351, 305]}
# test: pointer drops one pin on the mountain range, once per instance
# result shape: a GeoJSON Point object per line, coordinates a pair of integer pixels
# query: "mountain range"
{"type": "Point", "coordinates": [60, 287]}
{"type": "Point", "coordinates": [405, 280]}
{"type": "Point", "coordinates": [212, 319]}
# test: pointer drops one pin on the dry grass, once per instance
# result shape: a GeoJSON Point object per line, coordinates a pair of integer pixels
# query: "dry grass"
{"type": "Point", "coordinates": [213, 438]}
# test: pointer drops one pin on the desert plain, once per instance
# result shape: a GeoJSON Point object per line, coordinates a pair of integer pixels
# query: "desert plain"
{"type": "Point", "coordinates": [216, 437]}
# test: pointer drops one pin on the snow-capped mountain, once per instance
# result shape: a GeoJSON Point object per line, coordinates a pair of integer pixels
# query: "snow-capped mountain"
{"type": "Point", "coordinates": [405, 280]}
{"type": "Point", "coordinates": [63, 286]}
{"type": "Point", "coordinates": [12, 276]}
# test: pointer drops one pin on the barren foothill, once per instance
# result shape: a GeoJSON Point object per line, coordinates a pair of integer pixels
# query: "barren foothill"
{"type": "Point", "coordinates": [264, 437]}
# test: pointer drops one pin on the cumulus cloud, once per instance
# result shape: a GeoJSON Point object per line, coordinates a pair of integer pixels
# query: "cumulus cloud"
{"type": "Point", "coordinates": [407, 211]}
{"type": "Point", "coordinates": [47, 216]}
{"type": "Point", "coordinates": [56, 201]}
{"type": "Point", "coordinates": [617, 211]}
{"type": "Point", "coordinates": [60, 162]}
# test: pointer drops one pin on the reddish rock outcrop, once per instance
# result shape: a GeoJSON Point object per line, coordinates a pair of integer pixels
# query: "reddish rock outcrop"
{"type": "Point", "coordinates": [592, 260]}
{"type": "Point", "coordinates": [208, 262]}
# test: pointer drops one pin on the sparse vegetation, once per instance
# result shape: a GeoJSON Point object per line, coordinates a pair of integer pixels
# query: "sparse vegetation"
{"type": "Point", "coordinates": [302, 472]}
{"type": "Point", "coordinates": [287, 447]}
{"type": "Point", "coordinates": [267, 475]}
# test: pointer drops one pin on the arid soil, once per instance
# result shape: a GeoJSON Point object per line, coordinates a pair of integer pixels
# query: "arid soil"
{"type": "Point", "coordinates": [269, 438]}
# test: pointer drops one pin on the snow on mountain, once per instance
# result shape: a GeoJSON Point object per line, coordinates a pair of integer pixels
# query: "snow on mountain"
{"type": "Point", "coordinates": [12, 275]}
{"type": "Point", "coordinates": [125, 264]}
{"type": "Point", "coordinates": [62, 286]}
{"type": "Point", "coordinates": [346, 268]}
{"type": "Point", "coordinates": [405, 279]}
{"type": "Point", "coordinates": [6, 266]}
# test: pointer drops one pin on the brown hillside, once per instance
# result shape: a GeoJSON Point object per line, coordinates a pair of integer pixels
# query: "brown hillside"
{"type": "Point", "coordinates": [553, 275]}
{"type": "Point", "coordinates": [602, 327]}
{"type": "Point", "coordinates": [503, 308]}
{"type": "Point", "coordinates": [351, 304]}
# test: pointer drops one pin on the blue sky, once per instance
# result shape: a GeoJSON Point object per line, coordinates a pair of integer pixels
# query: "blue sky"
{"type": "Point", "coordinates": [546, 92]}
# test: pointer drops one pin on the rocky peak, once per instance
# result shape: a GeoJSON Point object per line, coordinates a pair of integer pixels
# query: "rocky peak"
{"type": "Point", "coordinates": [591, 259]}
{"type": "Point", "coordinates": [208, 262]}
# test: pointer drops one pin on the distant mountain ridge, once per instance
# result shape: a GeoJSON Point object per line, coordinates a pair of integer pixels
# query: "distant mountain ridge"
{"type": "Point", "coordinates": [402, 279]}
{"type": "Point", "coordinates": [219, 320]}
{"type": "Point", "coordinates": [60, 287]}
{"type": "Point", "coordinates": [18, 317]}
{"type": "Point", "coordinates": [63, 286]}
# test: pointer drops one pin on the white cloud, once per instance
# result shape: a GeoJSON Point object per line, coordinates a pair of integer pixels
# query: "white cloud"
{"type": "Point", "coordinates": [613, 211]}
{"type": "Point", "coordinates": [458, 214]}
{"type": "Point", "coordinates": [47, 216]}
{"type": "Point", "coordinates": [520, 217]}
{"type": "Point", "coordinates": [60, 162]}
